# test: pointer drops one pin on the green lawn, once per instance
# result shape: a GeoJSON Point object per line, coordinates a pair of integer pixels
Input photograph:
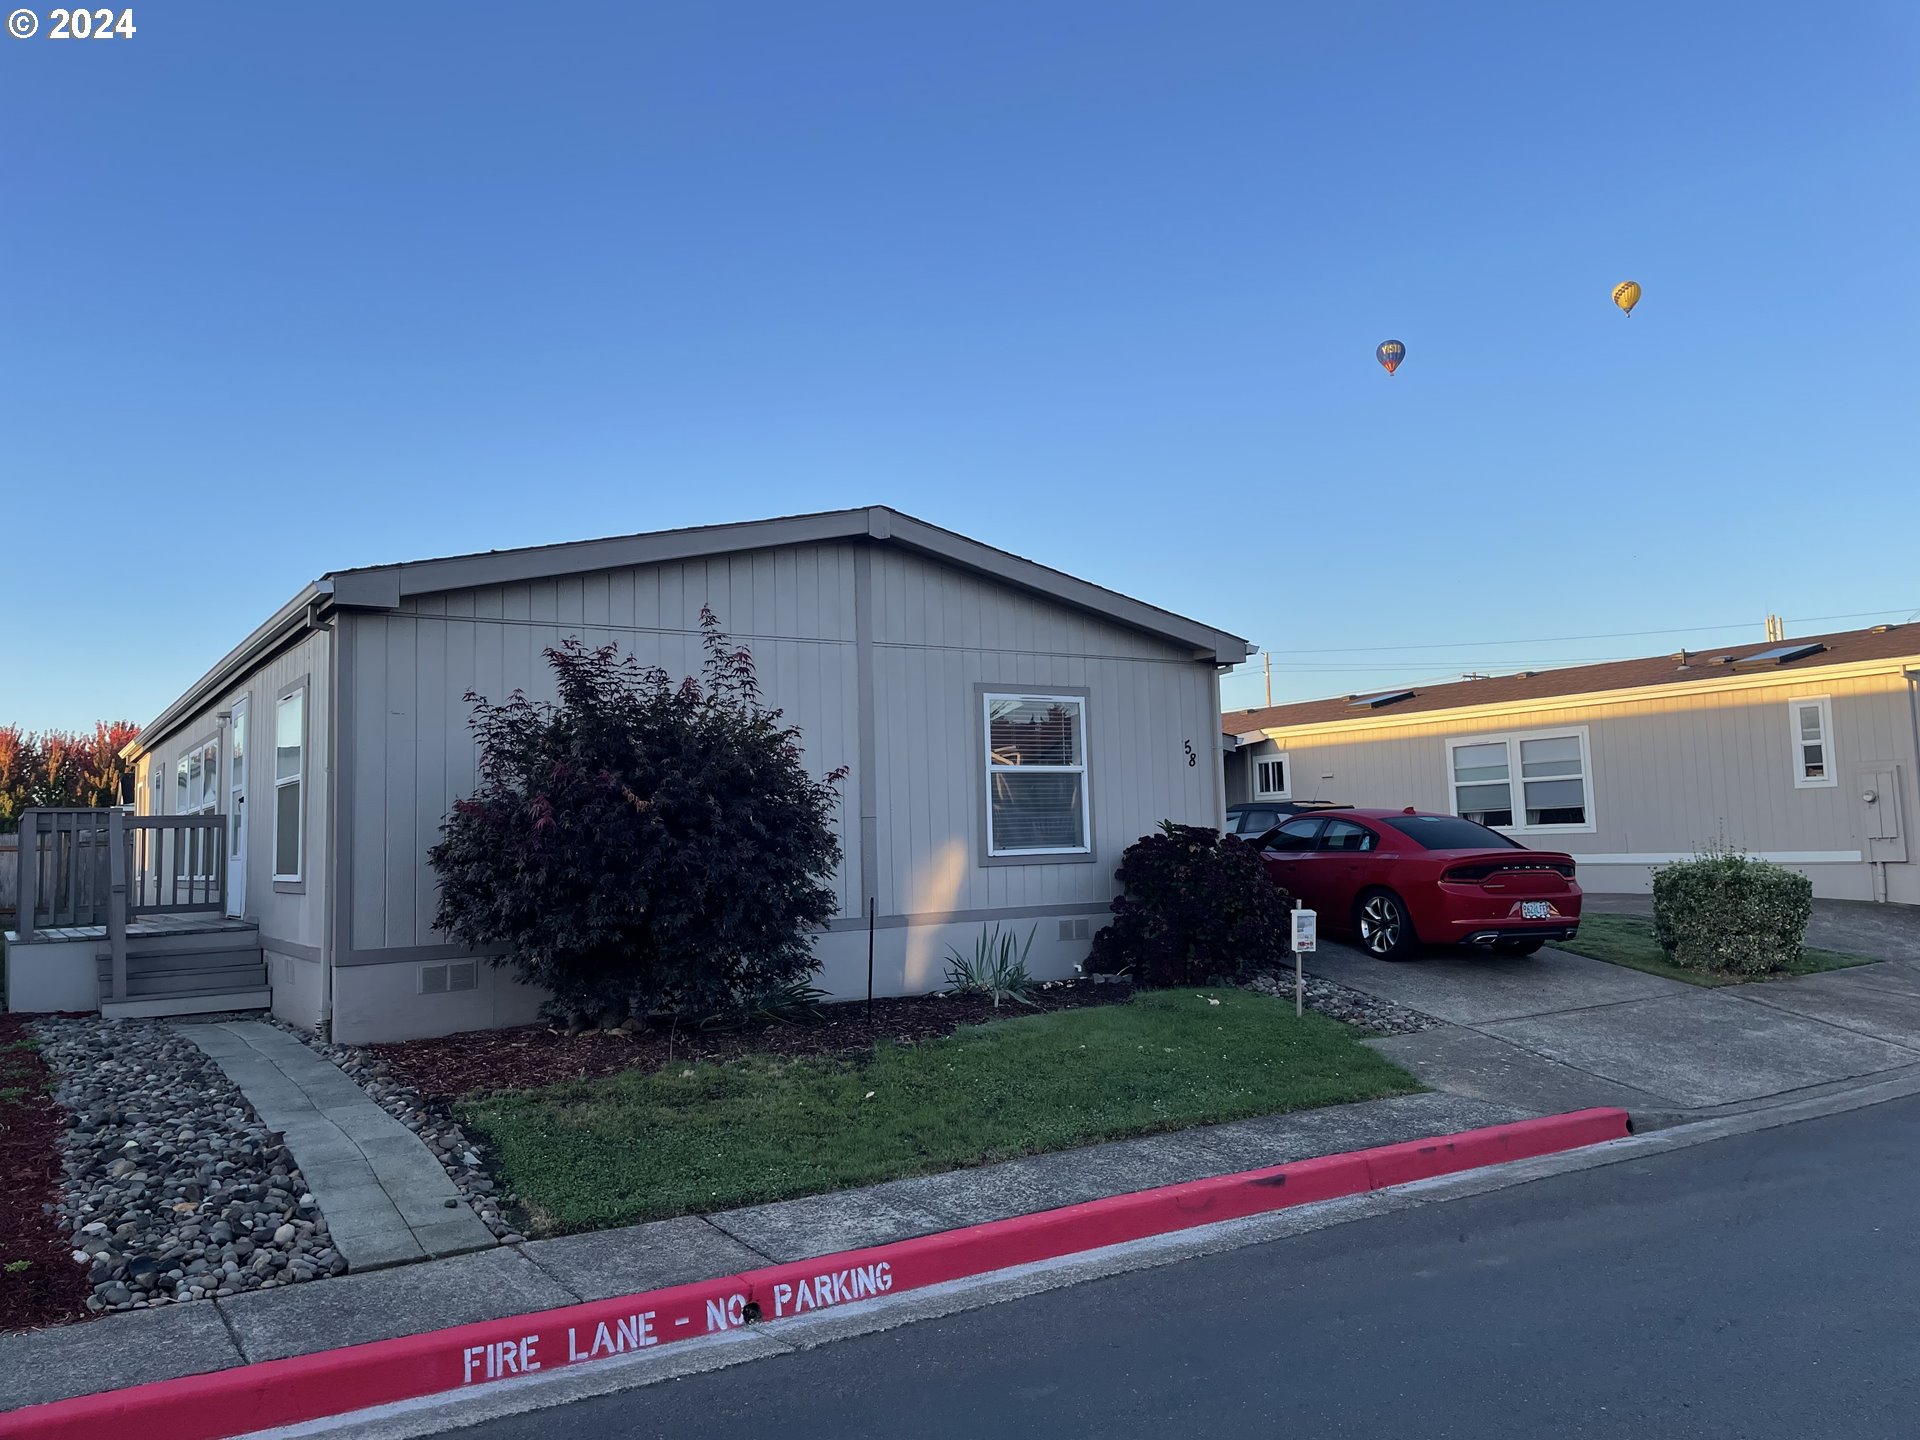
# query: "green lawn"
{"type": "Point", "coordinates": [642, 1146]}
{"type": "Point", "coordinates": [1628, 940]}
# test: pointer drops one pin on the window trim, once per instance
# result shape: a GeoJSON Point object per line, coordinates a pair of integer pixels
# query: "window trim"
{"type": "Point", "coordinates": [1517, 795]}
{"type": "Point", "coordinates": [1286, 774]}
{"type": "Point", "coordinates": [1800, 777]}
{"type": "Point", "coordinates": [293, 883]}
{"type": "Point", "coordinates": [983, 769]}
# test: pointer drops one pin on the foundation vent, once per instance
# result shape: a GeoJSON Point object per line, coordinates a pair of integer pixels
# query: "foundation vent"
{"type": "Point", "coordinates": [451, 976]}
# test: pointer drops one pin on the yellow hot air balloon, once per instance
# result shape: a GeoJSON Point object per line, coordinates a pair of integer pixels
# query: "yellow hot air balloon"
{"type": "Point", "coordinates": [1627, 295]}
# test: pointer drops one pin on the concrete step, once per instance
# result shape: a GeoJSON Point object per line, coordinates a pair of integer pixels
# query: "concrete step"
{"type": "Point", "coordinates": [202, 1002]}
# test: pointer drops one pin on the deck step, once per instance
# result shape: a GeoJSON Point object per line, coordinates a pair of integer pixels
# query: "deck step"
{"type": "Point", "coordinates": [202, 1002]}
{"type": "Point", "coordinates": [189, 942]}
{"type": "Point", "coordinates": [183, 982]}
{"type": "Point", "coordinates": [140, 963]}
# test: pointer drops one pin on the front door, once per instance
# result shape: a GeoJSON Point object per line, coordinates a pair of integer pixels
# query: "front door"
{"type": "Point", "coordinates": [237, 810]}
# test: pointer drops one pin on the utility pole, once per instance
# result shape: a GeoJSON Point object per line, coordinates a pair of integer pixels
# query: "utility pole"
{"type": "Point", "coordinates": [1267, 655]}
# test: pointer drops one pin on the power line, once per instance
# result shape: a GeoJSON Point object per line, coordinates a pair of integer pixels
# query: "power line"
{"type": "Point", "coordinates": [1606, 635]}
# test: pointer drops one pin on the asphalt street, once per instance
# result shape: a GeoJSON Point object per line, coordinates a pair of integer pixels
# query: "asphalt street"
{"type": "Point", "coordinates": [1761, 1286]}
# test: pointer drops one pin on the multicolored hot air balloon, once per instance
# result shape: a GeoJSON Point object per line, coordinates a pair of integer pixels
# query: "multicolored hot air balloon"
{"type": "Point", "coordinates": [1390, 353]}
{"type": "Point", "coordinates": [1627, 295]}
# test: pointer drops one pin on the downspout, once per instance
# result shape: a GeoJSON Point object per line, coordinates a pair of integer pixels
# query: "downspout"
{"type": "Point", "coordinates": [331, 839]}
{"type": "Point", "coordinates": [1912, 678]}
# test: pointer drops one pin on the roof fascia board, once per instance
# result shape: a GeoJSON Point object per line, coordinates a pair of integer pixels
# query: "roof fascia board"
{"type": "Point", "coordinates": [579, 557]}
{"type": "Point", "coordinates": [385, 586]}
{"type": "Point", "coordinates": [1772, 680]}
{"type": "Point", "coordinates": [289, 619]}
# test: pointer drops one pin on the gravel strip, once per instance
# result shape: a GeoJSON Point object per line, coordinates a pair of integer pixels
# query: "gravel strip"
{"type": "Point", "coordinates": [458, 1155]}
{"type": "Point", "coordinates": [174, 1190]}
{"type": "Point", "coordinates": [1343, 1002]}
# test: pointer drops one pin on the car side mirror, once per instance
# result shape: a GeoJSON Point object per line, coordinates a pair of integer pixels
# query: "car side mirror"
{"type": "Point", "coordinates": [1267, 839]}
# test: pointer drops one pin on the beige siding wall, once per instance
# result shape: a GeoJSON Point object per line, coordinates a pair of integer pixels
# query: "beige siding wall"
{"type": "Point", "coordinates": [290, 915]}
{"type": "Point", "coordinates": [1671, 772]}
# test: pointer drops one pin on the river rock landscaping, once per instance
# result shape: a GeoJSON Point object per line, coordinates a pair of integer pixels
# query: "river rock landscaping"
{"type": "Point", "coordinates": [173, 1190]}
{"type": "Point", "coordinates": [1344, 1003]}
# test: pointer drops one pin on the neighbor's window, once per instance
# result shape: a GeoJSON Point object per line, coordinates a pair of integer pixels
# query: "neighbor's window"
{"type": "Point", "coordinates": [1270, 777]}
{"type": "Point", "coordinates": [1536, 781]}
{"type": "Point", "coordinates": [1036, 775]}
{"type": "Point", "coordinates": [1812, 742]}
{"type": "Point", "coordinates": [289, 774]}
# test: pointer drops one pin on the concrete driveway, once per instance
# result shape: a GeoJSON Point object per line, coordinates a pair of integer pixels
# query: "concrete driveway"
{"type": "Point", "coordinates": [1556, 1031]}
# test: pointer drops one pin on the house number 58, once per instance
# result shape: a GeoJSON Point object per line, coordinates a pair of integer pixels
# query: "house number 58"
{"type": "Point", "coordinates": [1192, 759]}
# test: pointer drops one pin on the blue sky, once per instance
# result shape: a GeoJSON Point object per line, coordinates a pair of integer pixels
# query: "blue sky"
{"type": "Point", "coordinates": [297, 287]}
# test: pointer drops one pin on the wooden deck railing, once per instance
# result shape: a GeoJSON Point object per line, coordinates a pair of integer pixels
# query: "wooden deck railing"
{"type": "Point", "coordinates": [105, 867]}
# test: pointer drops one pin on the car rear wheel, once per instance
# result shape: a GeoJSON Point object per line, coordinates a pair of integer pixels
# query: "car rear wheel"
{"type": "Point", "coordinates": [1518, 947]}
{"type": "Point", "coordinates": [1384, 927]}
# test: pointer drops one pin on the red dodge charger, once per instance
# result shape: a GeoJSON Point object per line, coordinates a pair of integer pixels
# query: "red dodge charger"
{"type": "Point", "coordinates": [1397, 879]}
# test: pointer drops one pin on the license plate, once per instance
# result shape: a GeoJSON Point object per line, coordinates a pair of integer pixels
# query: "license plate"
{"type": "Point", "coordinates": [1535, 910]}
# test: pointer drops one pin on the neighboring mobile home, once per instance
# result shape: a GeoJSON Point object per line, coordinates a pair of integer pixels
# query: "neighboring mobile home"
{"type": "Point", "coordinates": [334, 740]}
{"type": "Point", "coordinates": [1803, 751]}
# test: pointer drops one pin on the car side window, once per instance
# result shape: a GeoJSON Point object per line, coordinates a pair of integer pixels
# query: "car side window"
{"type": "Point", "coordinates": [1295, 837]}
{"type": "Point", "coordinates": [1345, 836]}
{"type": "Point", "coordinates": [1258, 822]}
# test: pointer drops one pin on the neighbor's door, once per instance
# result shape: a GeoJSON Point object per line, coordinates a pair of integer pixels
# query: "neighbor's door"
{"type": "Point", "coordinates": [237, 810]}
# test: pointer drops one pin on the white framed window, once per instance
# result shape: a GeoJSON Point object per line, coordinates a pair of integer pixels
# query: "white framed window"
{"type": "Point", "coordinates": [289, 784]}
{"type": "Point", "coordinates": [196, 791]}
{"type": "Point", "coordinates": [1036, 775]}
{"type": "Point", "coordinates": [1271, 776]}
{"type": "Point", "coordinates": [196, 780]}
{"type": "Point", "coordinates": [1537, 781]}
{"type": "Point", "coordinates": [1813, 762]}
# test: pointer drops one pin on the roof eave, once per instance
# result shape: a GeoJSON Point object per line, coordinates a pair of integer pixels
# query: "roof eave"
{"type": "Point", "coordinates": [383, 587]}
{"type": "Point", "coordinates": [287, 620]}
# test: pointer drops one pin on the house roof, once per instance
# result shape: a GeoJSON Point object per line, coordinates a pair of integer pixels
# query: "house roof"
{"type": "Point", "coordinates": [383, 587]}
{"type": "Point", "coordinates": [1815, 652]}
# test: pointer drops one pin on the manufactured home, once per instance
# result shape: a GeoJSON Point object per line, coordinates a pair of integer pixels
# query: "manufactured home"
{"type": "Point", "coordinates": [294, 789]}
{"type": "Point", "coordinates": [1802, 751]}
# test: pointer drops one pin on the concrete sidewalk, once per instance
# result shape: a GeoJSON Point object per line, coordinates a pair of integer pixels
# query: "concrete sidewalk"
{"type": "Point", "coordinates": [386, 1200]}
{"type": "Point", "coordinates": [142, 1346]}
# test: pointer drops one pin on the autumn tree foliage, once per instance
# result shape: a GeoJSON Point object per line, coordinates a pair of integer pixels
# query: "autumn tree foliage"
{"type": "Point", "coordinates": [642, 847]}
{"type": "Point", "coordinates": [58, 768]}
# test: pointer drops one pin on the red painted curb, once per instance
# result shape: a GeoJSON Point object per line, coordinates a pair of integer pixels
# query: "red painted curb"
{"type": "Point", "coordinates": [246, 1398]}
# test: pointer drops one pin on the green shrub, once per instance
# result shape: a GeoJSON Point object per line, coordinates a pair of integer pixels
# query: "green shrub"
{"type": "Point", "coordinates": [1726, 911]}
{"type": "Point", "coordinates": [1199, 909]}
{"type": "Point", "coordinates": [994, 969]}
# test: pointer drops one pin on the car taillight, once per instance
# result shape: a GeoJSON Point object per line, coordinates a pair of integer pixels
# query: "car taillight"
{"type": "Point", "coordinates": [1467, 874]}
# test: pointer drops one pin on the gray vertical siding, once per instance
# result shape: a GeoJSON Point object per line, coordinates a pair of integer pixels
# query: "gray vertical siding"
{"type": "Point", "coordinates": [936, 633]}
{"type": "Point", "coordinates": [296, 918]}
{"type": "Point", "coordinates": [413, 753]}
{"type": "Point", "coordinates": [940, 633]}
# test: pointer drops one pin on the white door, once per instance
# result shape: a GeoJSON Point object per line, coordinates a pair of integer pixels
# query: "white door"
{"type": "Point", "coordinates": [237, 810]}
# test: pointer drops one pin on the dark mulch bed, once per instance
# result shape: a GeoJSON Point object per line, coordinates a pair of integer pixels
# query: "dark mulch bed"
{"type": "Point", "coordinates": [450, 1066]}
{"type": "Point", "coordinates": [48, 1288]}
